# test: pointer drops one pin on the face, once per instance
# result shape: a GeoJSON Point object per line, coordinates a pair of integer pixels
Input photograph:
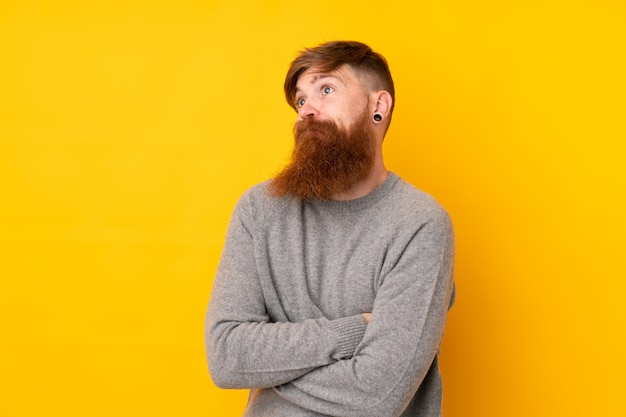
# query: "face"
{"type": "Point", "coordinates": [335, 145]}
{"type": "Point", "coordinates": [327, 160]}
{"type": "Point", "coordinates": [338, 96]}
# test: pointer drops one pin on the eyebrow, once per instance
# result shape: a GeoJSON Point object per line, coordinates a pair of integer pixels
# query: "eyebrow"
{"type": "Point", "coordinates": [320, 77]}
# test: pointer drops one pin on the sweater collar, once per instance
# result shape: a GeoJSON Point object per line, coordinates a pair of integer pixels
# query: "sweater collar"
{"type": "Point", "coordinates": [361, 202]}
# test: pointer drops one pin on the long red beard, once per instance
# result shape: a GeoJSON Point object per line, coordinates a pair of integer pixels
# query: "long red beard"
{"type": "Point", "coordinates": [325, 160]}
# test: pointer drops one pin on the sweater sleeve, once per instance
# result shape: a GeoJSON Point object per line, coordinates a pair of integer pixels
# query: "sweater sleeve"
{"type": "Point", "coordinates": [247, 350]}
{"type": "Point", "coordinates": [401, 341]}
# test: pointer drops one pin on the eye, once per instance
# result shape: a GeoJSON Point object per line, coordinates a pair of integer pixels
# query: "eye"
{"type": "Point", "coordinates": [327, 90]}
{"type": "Point", "coordinates": [300, 102]}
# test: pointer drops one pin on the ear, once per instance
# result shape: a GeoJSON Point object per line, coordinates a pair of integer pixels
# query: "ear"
{"type": "Point", "coordinates": [383, 102]}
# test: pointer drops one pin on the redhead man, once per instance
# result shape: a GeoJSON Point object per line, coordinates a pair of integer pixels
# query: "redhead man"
{"type": "Point", "coordinates": [336, 277]}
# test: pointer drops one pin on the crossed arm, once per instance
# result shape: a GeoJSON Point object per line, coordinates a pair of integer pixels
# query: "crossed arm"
{"type": "Point", "coordinates": [366, 364]}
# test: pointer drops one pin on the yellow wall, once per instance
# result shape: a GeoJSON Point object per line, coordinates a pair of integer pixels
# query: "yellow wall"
{"type": "Point", "coordinates": [128, 129]}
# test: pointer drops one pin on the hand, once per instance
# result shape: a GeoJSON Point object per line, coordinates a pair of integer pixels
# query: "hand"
{"type": "Point", "coordinates": [367, 317]}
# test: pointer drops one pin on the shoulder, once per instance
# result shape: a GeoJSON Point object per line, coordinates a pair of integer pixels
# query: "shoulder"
{"type": "Point", "coordinates": [419, 218]}
{"type": "Point", "coordinates": [257, 205]}
{"type": "Point", "coordinates": [409, 201]}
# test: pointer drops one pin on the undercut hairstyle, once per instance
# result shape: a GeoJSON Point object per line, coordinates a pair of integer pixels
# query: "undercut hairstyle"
{"type": "Point", "coordinates": [329, 56]}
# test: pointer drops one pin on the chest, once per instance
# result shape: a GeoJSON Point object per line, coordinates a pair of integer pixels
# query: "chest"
{"type": "Point", "coordinates": [316, 265]}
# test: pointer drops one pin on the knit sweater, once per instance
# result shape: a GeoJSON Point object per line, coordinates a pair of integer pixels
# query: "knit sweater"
{"type": "Point", "coordinates": [284, 318]}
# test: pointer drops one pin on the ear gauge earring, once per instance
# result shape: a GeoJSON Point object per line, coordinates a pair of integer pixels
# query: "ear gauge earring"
{"type": "Point", "coordinates": [378, 117]}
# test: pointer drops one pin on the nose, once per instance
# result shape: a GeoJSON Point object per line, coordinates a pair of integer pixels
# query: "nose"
{"type": "Point", "coordinates": [308, 110]}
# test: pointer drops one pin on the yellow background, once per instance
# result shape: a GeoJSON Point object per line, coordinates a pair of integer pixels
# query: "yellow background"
{"type": "Point", "coordinates": [128, 129]}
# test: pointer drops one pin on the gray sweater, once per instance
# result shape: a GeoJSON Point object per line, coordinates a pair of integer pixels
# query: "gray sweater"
{"type": "Point", "coordinates": [284, 319]}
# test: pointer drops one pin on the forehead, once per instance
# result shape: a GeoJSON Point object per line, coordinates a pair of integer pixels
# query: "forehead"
{"type": "Point", "coordinates": [344, 75]}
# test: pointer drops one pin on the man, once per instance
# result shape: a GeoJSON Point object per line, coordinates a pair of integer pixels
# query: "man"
{"type": "Point", "coordinates": [333, 288]}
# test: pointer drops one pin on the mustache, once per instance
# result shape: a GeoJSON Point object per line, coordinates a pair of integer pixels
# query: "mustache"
{"type": "Point", "coordinates": [312, 126]}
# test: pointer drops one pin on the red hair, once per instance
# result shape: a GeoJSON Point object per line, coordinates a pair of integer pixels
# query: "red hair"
{"type": "Point", "coordinates": [330, 56]}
